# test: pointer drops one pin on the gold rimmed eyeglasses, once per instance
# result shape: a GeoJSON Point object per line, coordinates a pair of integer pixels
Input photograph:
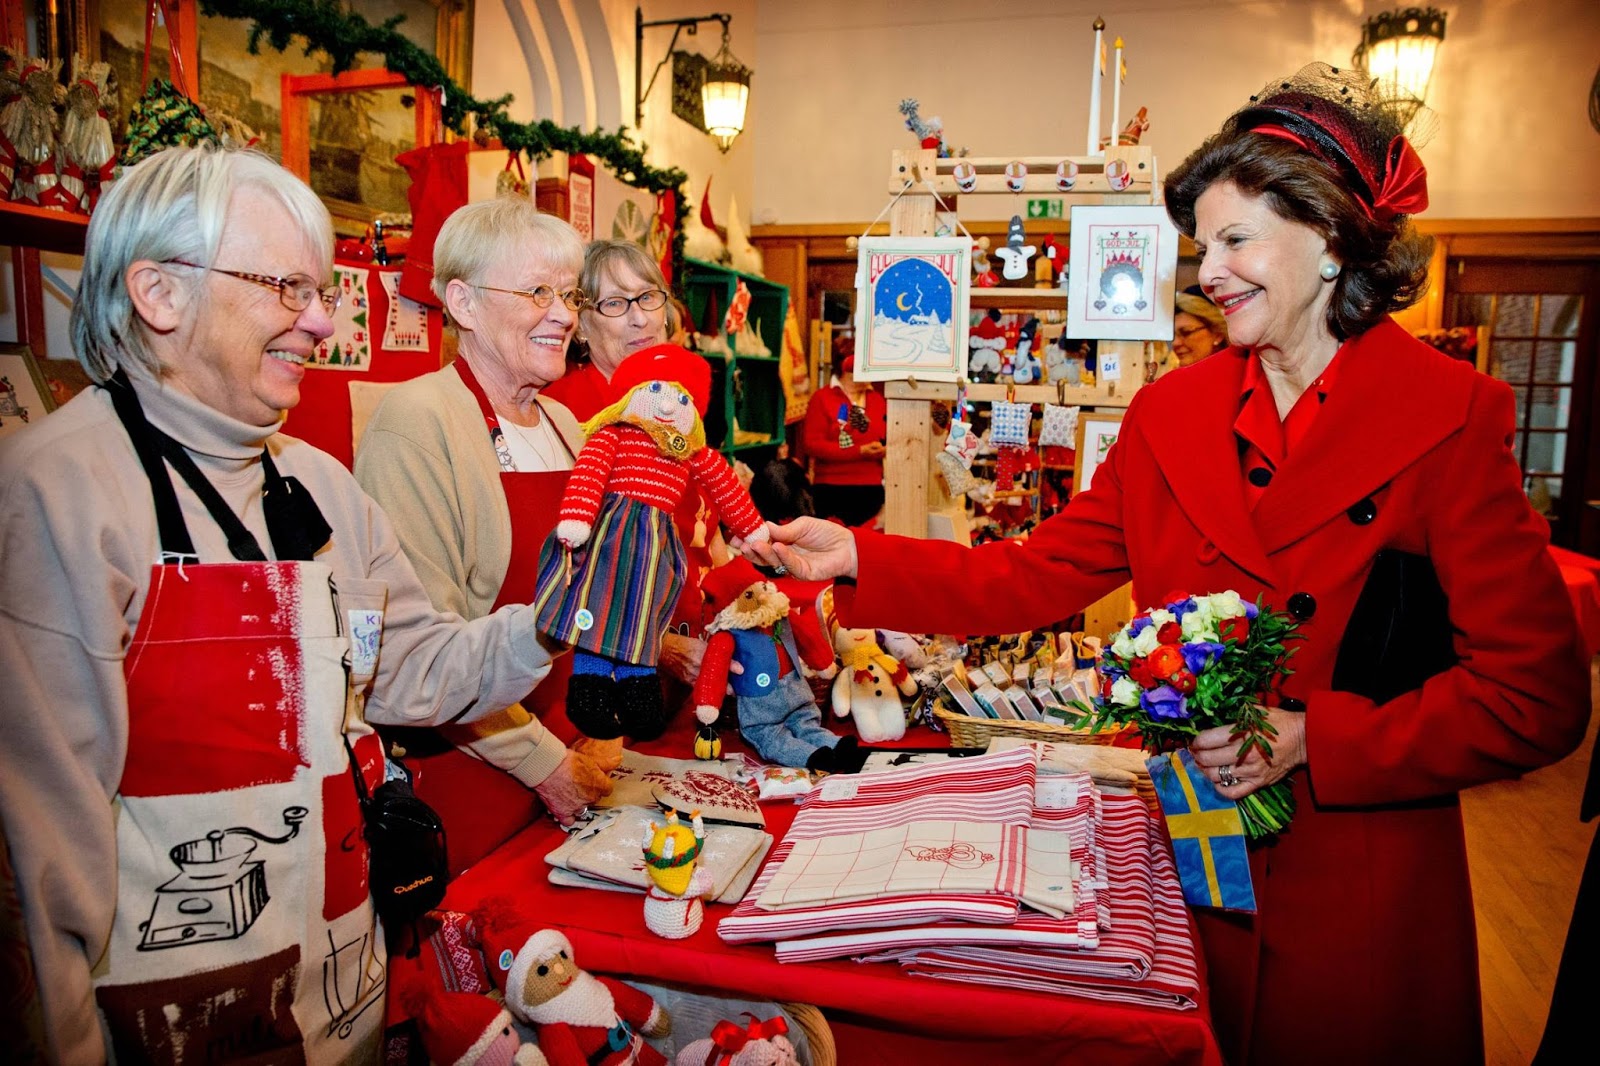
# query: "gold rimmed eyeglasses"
{"type": "Point", "coordinates": [295, 291]}
{"type": "Point", "coordinates": [544, 295]}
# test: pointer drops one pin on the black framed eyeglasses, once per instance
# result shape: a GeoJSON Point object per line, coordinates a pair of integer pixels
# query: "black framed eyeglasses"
{"type": "Point", "coordinates": [544, 295]}
{"type": "Point", "coordinates": [617, 306]}
{"type": "Point", "coordinates": [295, 291]}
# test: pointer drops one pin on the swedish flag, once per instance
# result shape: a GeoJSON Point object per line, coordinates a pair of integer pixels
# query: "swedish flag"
{"type": "Point", "coordinates": [1207, 835]}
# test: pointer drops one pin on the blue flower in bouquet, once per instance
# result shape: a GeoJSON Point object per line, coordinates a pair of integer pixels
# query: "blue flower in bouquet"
{"type": "Point", "coordinates": [1251, 610]}
{"type": "Point", "coordinates": [1199, 654]}
{"type": "Point", "coordinates": [1138, 625]}
{"type": "Point", "coordinates": [1183, 607]}
{"type": "Point", "coordinates": [1164, 701]}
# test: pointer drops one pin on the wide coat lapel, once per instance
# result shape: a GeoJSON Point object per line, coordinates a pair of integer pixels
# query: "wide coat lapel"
{"type": "Point", "coordinates": [1188, 420]}
{"type": "Point", "coordinates": [1388, 408]}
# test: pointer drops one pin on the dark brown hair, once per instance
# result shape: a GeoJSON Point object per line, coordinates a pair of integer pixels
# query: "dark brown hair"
{"type": "Point", "coordinates": [1385, 263]}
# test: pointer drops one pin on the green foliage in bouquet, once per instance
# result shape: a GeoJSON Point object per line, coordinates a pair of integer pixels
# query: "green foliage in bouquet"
{"type": "Point", "coordinates": [1197, 663]}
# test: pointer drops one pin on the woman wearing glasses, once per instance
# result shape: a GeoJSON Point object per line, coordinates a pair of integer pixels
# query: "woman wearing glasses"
{"type": "Point", "coordinates": [1198, 330]}
{"type": "Point", "coordinates": [471, 461]}
{"type": "Point", "coordinates": [628, 310]}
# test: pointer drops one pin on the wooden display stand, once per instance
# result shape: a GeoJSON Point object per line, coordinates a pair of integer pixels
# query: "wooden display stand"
{"type": "Point", "coordinates": [915, 501]}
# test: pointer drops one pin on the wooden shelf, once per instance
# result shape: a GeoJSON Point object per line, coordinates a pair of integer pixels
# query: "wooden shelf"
{"type": "Point", "coordinates": [1041, 299]}
{"type": "Point", "coordinates": [25, 225]}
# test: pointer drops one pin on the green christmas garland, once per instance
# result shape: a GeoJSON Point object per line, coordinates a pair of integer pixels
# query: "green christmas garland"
{"type": "Point", "coordinates": [326, 27]}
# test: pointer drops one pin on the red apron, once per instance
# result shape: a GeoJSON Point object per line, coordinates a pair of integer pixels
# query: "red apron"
{"type": "Point", "coordinates": [243, 928]}
{"type": "Point", "coordinates": [481, 805]}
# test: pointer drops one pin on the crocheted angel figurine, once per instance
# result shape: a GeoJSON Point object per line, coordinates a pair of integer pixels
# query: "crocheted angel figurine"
{"type": "Point", "coordinates": [672, 907]}
{"type": "Point", "coordinates": [612, 570]}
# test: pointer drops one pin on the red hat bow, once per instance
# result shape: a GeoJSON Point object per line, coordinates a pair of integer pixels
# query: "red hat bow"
{"type": "Point", "coordinates": [729, 1038]}
{"type": "Point", "coordinates": [1404, 189]}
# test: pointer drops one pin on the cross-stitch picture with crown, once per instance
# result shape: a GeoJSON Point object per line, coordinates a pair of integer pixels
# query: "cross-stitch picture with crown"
{"type": "Point", "coordinates": [1124, 263]}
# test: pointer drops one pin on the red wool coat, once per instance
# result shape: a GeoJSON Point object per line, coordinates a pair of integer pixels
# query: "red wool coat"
{"type": "Point", "coordinates": [1364, 947]}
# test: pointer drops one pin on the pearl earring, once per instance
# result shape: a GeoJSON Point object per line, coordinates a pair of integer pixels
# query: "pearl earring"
{"type": "Point", "coordinates": [1329, 270]}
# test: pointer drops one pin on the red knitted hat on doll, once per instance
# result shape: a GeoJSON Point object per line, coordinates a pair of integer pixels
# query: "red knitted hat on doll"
{"type": "Point", "coordinates": [666, 362]}
{"type": "Point", "coordinates": [723, 584]}
{"type": "Point", "coordinates": [458, 1027]}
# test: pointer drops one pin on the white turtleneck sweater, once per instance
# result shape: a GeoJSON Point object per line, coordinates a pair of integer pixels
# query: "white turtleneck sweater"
{"type": "Point", "coordinates": [77, 541]}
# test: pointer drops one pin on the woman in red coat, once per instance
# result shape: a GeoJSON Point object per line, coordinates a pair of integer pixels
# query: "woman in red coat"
{"type": "Point", "coordinates": [1281, 468]}
{"type": "Point", "coordinates": [843, 434]}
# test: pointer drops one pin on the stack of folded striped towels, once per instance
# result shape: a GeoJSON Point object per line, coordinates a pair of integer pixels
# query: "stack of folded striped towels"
{"type": "Point", "coordinates": [1013, 868]}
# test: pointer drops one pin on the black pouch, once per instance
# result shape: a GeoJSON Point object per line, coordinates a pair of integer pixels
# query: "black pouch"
{"type": "Point", "coordinates": [409, 866]}
{"type": "Point", "coordinates": [1399, 633]}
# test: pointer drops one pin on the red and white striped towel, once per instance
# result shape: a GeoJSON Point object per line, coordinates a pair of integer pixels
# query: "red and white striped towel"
{"type": "Point", "coordinates": [992, 788]}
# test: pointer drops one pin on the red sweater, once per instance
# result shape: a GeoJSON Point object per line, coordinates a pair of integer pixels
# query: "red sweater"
{"type": "Point", "coordinates": [624, 459]}
{"type": "Point", "coordinates": [835, 465]}
{"type": "Point", "coordinates": [585, 391]}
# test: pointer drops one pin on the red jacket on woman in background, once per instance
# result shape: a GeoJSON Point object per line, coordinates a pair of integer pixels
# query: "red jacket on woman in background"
{"type": "Point", "coordinates": [1364, 946]}
{"type": "Point", "coordinates": [834, 463]}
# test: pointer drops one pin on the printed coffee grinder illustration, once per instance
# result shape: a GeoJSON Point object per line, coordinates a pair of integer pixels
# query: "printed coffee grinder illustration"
{"type": "Point", "coordinates": [219, 891]}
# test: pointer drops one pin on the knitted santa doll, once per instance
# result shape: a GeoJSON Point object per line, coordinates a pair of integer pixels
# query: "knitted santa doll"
{"type": "Point", "coordinates": [581, 1019]}
{"type": "Point", "coordinates": [778, 714]}
{"type": "Point", "coordinates": [460, 1029]}
{"type": "Point", "coordinates": [612, 571]}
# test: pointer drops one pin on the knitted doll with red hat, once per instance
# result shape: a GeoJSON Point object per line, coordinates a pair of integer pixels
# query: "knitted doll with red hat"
{"type": "Point", "coordinates": [461, 1029]}
{"type": "Point", "coordinates": [778, 715]}
{"type": "Point", "coordinates": [612, 570]}
{"type": "Point", "coordinates": [987, 341]}
{"type": "Point", "coordinates": [581, 1019]}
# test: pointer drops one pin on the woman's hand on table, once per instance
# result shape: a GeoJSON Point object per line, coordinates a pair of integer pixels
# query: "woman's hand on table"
{"type": "Point", "coordinates": [681, 656]}
{"type": "Point", "coordinates": [808, 549]}
{"type": "Point", "coordinates": [1217, 750]}
{"type": "Point", "coordinates": [574, 784]}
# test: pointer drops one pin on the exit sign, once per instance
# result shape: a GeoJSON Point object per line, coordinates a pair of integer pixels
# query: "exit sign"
{"type": "Point", "coordinates": [1047, 208]}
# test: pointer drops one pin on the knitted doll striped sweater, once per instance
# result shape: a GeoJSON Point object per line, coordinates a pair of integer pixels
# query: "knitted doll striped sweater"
{"type": "Point", "coordinates": [624, 459]}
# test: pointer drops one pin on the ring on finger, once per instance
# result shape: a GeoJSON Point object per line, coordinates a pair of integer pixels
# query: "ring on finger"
{"type": "Point", "coordinates": [1226, 778]}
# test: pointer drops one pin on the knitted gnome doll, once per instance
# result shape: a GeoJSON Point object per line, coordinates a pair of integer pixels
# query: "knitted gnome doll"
{"type": "Point", "coordinates": [612, 570]}
{"type": "Point", "coordinates": [461, 1029]}
{"type": "Point", "coordinates": [778, 715]}
{"type": "Point", "coordinates": [582, 1020]}
{"type": "Point", "coordinates": [867, 683]}
{"type": "Point", "coordinates": [672, 907]}
{"type": "Point", "coordinates": [987, 340]}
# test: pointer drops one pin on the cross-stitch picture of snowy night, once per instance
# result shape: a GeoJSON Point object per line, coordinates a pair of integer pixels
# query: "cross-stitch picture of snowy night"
{"type": "Point", "coordinates": [912, 308]}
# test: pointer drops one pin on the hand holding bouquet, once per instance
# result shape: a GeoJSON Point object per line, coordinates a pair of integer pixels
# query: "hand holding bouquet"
{"type": "Point", "coordinates": [1193, 664]}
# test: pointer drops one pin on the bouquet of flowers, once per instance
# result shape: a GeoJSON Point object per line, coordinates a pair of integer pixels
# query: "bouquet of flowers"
{"type": "Point", "coordinates": [1195, 663]}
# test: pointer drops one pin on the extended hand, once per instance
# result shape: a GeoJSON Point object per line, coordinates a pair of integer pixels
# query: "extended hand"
{"type": "Point", "coordinates": [681, 656]}
{"type": "Point", "coordinates": [574, 784]}
{"type": "Point", "coordinates": [573, 533]}
{"type": "Point", "coordinates": [1214, 749]}
{"type": "Point", "coordinates": [808, 548]}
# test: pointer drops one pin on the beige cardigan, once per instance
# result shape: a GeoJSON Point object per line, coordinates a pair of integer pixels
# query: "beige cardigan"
{"type": "Point", "coordinates": [427, 460]}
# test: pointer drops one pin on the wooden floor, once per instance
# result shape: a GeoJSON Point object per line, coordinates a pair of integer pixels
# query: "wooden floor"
{"type": "Point", "coordinates": [1524, 899]}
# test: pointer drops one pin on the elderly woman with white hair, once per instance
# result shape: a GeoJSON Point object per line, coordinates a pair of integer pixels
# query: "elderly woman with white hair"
{"type": "Point", "coordinates": [200, 616]}
{"type": "Point", "coordinates": [471, 461]}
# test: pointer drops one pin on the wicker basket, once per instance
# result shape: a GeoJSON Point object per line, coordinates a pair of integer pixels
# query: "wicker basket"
{"type": "Point", "coordinates": [969, 732]}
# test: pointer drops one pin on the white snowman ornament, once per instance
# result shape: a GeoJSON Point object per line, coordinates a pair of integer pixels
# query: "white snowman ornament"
{"type": "Point", "coordinates": [1015, 254]}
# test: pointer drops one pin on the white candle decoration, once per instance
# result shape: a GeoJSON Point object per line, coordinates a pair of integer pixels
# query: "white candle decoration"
{"type": "Point", "coordinates": [1095, 73]}
{"type": "Point", "coordinates": [1116, 95]}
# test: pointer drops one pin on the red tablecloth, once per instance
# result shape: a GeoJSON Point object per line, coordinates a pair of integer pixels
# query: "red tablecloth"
{"type": "Point", "coordinates": [875, 1003]}
{"type": "Point", "coordinates": [1582, 575]}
